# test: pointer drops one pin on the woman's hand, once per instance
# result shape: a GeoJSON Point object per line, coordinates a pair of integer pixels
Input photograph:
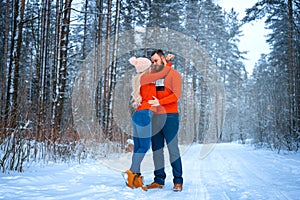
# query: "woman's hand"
{"type": "Point", "coordinates": [169, 57]}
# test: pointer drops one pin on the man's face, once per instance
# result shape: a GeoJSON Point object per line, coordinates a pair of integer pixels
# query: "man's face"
{"type": "Point", "coordinates": [157, 62]}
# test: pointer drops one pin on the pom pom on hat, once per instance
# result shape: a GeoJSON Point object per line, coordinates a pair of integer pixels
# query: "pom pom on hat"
{"type": "Point", "coordinates": [140, 64]}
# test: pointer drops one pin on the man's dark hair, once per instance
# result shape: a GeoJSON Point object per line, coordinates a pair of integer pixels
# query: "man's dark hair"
{"type": "Point", "coordinates": [158, 51]}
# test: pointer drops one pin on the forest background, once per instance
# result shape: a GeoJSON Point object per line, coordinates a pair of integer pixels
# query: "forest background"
{"type": "Point", "coordinates": [65, 81]}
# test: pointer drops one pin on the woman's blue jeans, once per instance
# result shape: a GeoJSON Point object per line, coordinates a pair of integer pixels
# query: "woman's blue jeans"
{"type": "Point", "coordinates": [142, 131]}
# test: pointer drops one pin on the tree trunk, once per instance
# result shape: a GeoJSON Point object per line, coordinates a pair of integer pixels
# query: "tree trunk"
{"type": "Point", "coordinates": [291, 67]}
{"type": "Point", "coordinates": [3, 68]}
{"type": "Point", "coordinates": [85, 29]}
{"type": "Point", "coordinates": [113, 73]}
{"type": "Point", "coordinates": [203, 102]}
{"type": "Point", "coordinates": [107, 76]}
{"type": "Point", "coordinates": [14, 64]}
{"type": "Point", "coordinates": [61, 70]}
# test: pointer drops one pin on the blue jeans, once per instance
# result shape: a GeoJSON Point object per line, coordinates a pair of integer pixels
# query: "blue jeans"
{"type": "Point", "coordinates": [142, 131]}
{"type": "Point", "coordinates": [165, 128]}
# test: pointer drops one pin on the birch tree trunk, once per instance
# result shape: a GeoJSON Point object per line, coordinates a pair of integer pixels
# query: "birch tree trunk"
{"type": "Point", "coordinates": [112, 127]}
{"type": "Point", "coordinates": [107, 75]}
{"type": "Point", "coordinates": [63, 23]}
{"type": "Point", "coordinates": [99, 65]}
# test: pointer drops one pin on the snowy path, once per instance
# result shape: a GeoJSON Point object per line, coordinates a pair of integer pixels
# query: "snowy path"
{"type": "Point", "coordinates": [230, 171]}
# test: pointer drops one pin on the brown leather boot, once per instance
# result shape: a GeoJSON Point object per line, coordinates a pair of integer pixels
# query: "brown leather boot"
{"type": "Point", "coordinates": [130, 178]}
{"type": "Point", "coordinates": [138, 182]}
{"type": "Point", "coordinates": [155, 185]}
{"type": "Point", "coordinates": [177, 187]}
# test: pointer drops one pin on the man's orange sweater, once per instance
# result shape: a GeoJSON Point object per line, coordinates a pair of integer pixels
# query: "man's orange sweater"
{"type": "Point", "coordinates": [168, 98]}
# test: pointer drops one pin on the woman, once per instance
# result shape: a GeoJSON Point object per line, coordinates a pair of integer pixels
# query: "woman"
{"type": "Point", "coordinates": [143, 90]}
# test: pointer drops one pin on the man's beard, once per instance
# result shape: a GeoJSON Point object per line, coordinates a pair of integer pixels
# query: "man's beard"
{"type": "Point", "coordinates": [158, 68]}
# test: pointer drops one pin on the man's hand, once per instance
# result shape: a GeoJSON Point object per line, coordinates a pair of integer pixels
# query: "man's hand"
{"type": "Point", "coordinates": [154, 102]}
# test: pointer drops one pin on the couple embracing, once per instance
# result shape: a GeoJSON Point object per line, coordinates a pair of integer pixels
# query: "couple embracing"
{"type": "Point", "coordinates": [156, 91]}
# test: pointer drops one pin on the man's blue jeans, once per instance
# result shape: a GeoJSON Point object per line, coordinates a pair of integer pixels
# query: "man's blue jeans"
{"type": "Point", "coordinates": [165, 128]}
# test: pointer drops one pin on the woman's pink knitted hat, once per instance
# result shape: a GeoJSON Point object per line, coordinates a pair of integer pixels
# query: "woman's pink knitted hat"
{"type": "Point", "coordinates": [140, 64]}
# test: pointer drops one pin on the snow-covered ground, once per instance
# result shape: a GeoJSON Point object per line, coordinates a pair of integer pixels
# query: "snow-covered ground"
{"type": "Point", "coordinates": [230, 171]}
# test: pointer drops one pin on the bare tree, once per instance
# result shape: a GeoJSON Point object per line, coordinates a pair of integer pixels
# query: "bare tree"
{"type": "Point", "coordinates": [63, 22]}
{"type": "Point", "coordinates": [3, 64]}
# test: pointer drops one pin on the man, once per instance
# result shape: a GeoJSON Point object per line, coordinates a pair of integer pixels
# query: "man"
{"type": "Point", "coordinates": [165, 123]}
{"type": "Point", "coordinates": [143, 90]}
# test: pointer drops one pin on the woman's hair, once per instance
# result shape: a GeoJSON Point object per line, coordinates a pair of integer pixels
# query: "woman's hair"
{"type": "Point", "coordinates": [136, 85]}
